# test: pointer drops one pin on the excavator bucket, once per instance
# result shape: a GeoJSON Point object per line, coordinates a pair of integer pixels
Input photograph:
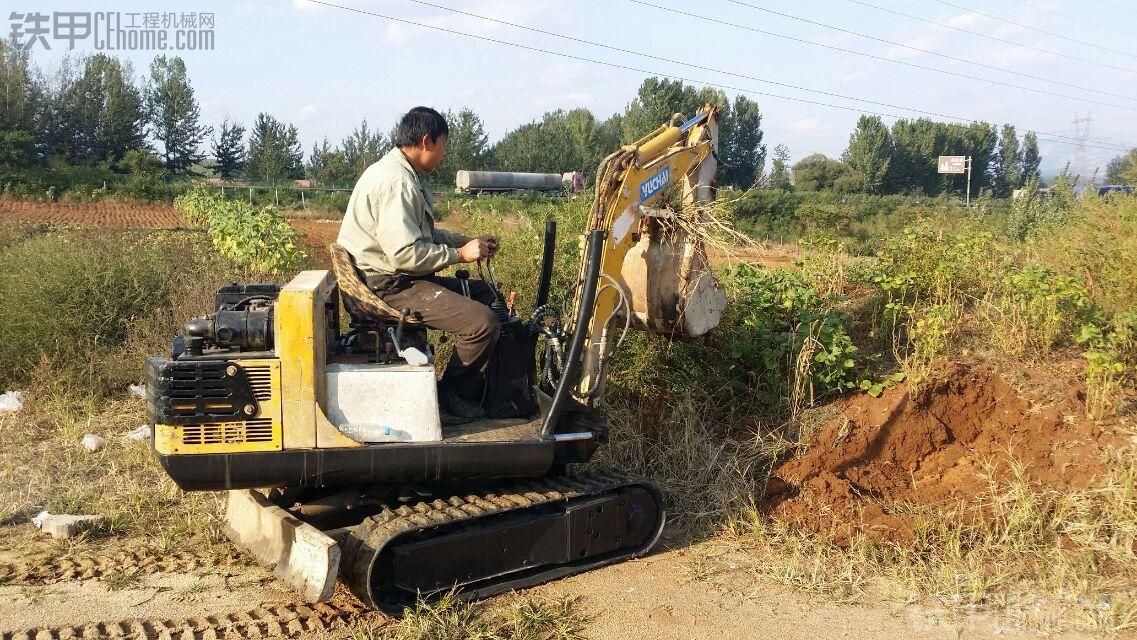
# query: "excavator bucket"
{"type": "Point", "coordinates": [299, 554]}
{"type": "Point", "coordinates": [673, 290]}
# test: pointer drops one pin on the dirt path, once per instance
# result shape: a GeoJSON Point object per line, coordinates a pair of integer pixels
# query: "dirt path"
{"type": "Point", "coordinates": [663, 597]}
{"type": "Point", "coordinates": [660, 597]}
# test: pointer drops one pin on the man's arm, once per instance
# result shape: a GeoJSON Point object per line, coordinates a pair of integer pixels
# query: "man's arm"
{"type": "Point", "coordinates": [450, 238]}
{"type": "Point", "coordinates": [396, 210]}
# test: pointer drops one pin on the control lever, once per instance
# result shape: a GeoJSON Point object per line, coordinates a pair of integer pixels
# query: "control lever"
{"type": "Point", "coordinates": [463, 276]}
{"type": "Point", "coordinates": [412, 355]}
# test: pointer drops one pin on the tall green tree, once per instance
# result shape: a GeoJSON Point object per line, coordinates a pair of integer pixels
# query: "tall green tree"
{"type": "Point", "coordinates": [467, 146]}
{"type": "Point", "coordinates": [1031, 158]}
{"type": "Point", "coordinates": [175, 116]}
{"type": "Point", "coordinates": [96, 112]}
{"type": "Point", "coordinates": [541, 147]}
{"type": "Point", "coordinates": [274, 150]}
{"type": "Point", "coordinates": [229, 149]}
{"type": "Point", "coordinates": [1114, 169]}
{"type": "Point", "coordinates": [740, 144]}
{"type": "Point", "coordinates": [870, 153]}
{"type": "Point", "coordinates": [655, 102]}
{"type": "Point", "coordinates": [918, 143]}
{"type": "Point", "coordinates": [587, 148]}
{"type": "Point", "coordinates": [780, 174]}
{"type": "Point", "coordinates": [1129, 175]}
{"type": "Point", "coordinates": [1122, 169]}
{"type": "Point", "coordinates": [362, 148]}
{"type": "Point", "coordinates": [608, 135]}
{"type": "Point", "coordinates": [327, 164]}
{"type": "Point", "coordinates": [1008, 163]}
{"type": "Point", "coordinates": [19, 104]}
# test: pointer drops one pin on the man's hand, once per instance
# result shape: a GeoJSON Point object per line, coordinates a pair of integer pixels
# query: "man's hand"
{"type": "Point", "coordinates": [492, 242]}
{"type": "Point", "coordinates": [475, 250]}
{"type": "Point", "coordinates": [478, 248]}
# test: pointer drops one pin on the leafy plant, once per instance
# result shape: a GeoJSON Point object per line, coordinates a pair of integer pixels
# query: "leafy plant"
{"type": "Point", "coordinates": [258, 239]}
{"type": "Point", "coordinates": [780, 314]}
{"type": "Point", "coordinates": [1111, 355]}
{"type": "Point", "coordinates": [1038, 309]}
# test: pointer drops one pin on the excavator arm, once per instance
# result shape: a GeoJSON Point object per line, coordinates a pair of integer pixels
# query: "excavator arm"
{"type": "Point", "coordinates": [637, 269]}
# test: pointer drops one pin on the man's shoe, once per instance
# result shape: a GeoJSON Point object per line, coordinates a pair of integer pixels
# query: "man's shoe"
{"type": "Point", "coordinates": [460, 407]}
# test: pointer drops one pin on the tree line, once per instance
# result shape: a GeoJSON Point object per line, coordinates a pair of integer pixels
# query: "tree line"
{"type": "Point", "coordinates": [93, 111]}
{"type": "Point", "coordinates": [902, 159]}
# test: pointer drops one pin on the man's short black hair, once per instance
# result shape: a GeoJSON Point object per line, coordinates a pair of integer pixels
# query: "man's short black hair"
{"type": "Point", "coordinates": [419, 122]}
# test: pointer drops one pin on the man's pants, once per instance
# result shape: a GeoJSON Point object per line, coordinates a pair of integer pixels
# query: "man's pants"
{"type": "Point", "coordinates": [441, 305]}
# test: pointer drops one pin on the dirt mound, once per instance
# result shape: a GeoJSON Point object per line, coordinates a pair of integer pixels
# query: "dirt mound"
{"type": "Point", "coordinates": [936, 448]}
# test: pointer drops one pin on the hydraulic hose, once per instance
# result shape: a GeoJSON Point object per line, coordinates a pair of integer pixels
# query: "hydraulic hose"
{"type": "Point", "coordinates": [570, 375]}
{"type": "Point", "coordinates": [546, 263]}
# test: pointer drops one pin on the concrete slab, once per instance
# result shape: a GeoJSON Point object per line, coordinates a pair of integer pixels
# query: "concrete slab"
{"type": "Point", "coordinates": [63, 526]}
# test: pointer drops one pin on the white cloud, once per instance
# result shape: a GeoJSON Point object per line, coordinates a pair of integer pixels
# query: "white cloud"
{"type": "Point", "coordinates": [308, 111]}
{"type": "Point", "coordinates": [853, 76]}
{"type": "Point", "coordinates": [807, 125]}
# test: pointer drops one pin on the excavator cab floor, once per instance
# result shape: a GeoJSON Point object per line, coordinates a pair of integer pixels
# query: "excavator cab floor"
{"type": "Point", "coordinates": [494, 430]}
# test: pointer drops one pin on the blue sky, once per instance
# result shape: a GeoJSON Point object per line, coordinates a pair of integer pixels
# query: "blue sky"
{"type": "Point", "coordinates": [325, 69]}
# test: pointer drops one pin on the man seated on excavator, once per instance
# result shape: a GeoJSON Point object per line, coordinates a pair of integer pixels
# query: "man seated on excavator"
{"type": "Point", "coordinates": [389, 229]}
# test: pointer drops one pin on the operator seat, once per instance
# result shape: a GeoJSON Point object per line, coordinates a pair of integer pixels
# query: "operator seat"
{"type": "Point", "coordinates": [369, 315]}
{"type": "Point", "coordinates": [362, 304]}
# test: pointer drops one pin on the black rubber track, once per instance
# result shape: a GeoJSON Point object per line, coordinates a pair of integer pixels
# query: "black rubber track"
{"type": "Point", "coordinates": [366, 541]}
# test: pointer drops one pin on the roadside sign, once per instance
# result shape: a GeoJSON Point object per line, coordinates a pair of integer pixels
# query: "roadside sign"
{"type": "Point", "coordinates": [958, 164]}
{"type": "Point", "coordinates": [953, 164]}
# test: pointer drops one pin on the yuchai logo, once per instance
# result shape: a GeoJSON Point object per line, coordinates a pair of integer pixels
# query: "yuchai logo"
{"type": "Point", "coordinates": [654, 184]}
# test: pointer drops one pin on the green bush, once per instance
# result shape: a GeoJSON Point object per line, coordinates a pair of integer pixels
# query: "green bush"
{"type": "Point", "coordinates": [780, 336]}
{"type": "Point", "coordinates": [71, 298]}
{"type": "Point", "coordinates": [777, 315]}
{"type": "Point", "coordinates": [257, 239]}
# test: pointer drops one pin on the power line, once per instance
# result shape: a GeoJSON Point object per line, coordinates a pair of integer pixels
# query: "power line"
{"type": "Point", "coordinates": [686, 63]}
{"type": "Point", "coordinates": [1117, 6]}
{"type": "Point", "coordinates": [679, 62]}
{"type": "Point", "coordinates": [872, 56]}
{"type": "Point", "coordinates": [1043, 31]}
{"type": "Point", "coordinates": [990, 37]}
{"type": "Point", "coordinates": [705, 68]}
{"type": "Point", "coordinates": [929, 52]}
{"type": "Point", "coordinates": [1079, 145]}
{"type": "Point", "coordinates": [651, 72]}
{"type": "Point", "coordinates": [1074, 18]}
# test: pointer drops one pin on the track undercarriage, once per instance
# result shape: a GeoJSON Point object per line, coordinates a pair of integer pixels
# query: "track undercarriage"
{"type": "Point", "coordinates": [505, 535]}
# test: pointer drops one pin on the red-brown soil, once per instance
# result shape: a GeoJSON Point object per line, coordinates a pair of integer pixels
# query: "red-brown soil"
{"type": "Point", "coordinates": [318, 234]}
{"type": "Point", "coordinates": [938, 448]}
{"type": "Point", "coordinates": [158, 215]}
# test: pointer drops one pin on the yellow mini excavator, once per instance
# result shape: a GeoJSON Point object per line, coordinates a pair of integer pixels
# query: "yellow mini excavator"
{"type": "Point", "coordinates": [329, 440]}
